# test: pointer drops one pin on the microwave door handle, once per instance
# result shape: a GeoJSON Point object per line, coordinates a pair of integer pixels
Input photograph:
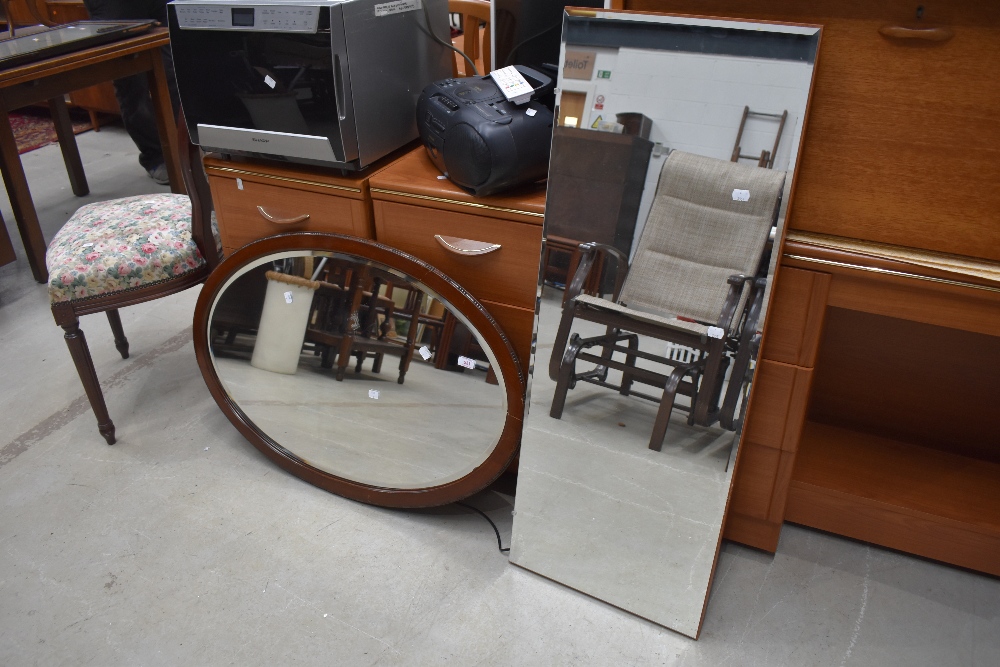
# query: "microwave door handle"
{"type": "Point", "coordinates": [338, 86]}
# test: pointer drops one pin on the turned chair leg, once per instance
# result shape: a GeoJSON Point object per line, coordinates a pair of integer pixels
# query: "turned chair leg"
{"type": "Point", "coordinates": [78, 349]}
{"type": "Point", "coordinates": [121, 342]}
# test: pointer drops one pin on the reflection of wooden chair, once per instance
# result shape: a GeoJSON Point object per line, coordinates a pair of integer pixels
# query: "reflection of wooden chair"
{"type": "Point", "coordinates": [353, 320]}
{"type": "Point", "coordinates": [122, 252]}
{"type": "Point", "coordinates": [475, 38]}
{"type": "Point", "coordinates": [696, 280]}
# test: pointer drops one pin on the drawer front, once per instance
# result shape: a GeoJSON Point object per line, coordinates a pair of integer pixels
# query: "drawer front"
{"type": "Point", "coordinates": [518, 324]}
{"type": "Point", "coordinates": [507, 275]}
{"type": "Point", "coordinates": [240, 221]}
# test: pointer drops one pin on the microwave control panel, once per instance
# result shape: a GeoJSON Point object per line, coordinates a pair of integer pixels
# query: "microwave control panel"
{"type": "Point", "coordinates": [258, 18]}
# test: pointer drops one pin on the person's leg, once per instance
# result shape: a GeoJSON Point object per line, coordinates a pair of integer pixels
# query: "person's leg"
{"type": "Point", "coordinates": [139, 119]}
{"type": "Point", "coordinates": [132, 92]}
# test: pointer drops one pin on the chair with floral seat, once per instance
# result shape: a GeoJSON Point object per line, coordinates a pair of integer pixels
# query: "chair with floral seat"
{"type": "Point", "coordinates": [126, 251]}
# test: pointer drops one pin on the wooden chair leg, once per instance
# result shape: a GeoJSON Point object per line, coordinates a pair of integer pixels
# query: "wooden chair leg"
{"type": "Point", "coordinates": [343, 357]}
{"type": "Point", "coordinates": [633, 344]}
{"type": "Point", "coordinates": [567, 369]}
{"type": "Point", "coordinates": [559, 345]}
{"type": "Point", "coordinates": [121, 342]}
{"type": "Point", "coordinates": [78, 349]}
{"type": "Point", "coordinates": [666, 408]}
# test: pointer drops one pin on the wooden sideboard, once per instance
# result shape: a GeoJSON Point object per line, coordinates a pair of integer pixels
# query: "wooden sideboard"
{"type": "Point", "coordinates": [413, 204]}
{"type": "Point", "coordinates": [255, 199]}
{"type": "Point", "coordinates": [873, 413]}
{"type": "Point", "coordinates": [400, 201]}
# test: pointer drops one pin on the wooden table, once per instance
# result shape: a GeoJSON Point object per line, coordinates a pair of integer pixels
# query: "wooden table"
{"type": "Point", "coordinates": [49, 80]}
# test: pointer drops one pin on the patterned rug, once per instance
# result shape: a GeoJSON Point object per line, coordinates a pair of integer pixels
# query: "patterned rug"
{"type": "Point", "coordinates": [33, 128]}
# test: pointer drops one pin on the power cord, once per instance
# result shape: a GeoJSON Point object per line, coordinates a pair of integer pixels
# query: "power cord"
{"type": "Point", "coordinates": [481, 513]}
{"type": "Point", "coordinates": [430, 31]}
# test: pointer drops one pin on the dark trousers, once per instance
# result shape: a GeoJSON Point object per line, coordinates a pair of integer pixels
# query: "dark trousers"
{"type": "Point", "coordinates": [132, 92]}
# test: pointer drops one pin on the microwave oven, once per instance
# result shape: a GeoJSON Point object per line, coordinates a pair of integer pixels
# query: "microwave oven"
{"type": "Point", "coordinates": [327, 82]}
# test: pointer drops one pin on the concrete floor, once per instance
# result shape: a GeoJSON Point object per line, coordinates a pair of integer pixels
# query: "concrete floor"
{"type": "Point", "coordinates": [183, 545]}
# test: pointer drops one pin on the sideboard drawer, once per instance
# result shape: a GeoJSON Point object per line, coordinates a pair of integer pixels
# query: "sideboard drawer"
{"type": "Point", "coordinates": [519, 325]}
{"type": "Point", "coordinates": [242, 212]}
{"type": "Point", "coordinates": [507, 275]}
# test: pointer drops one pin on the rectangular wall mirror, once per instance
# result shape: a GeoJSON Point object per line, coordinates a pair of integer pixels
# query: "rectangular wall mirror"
{"type": "Point", "coordinates": [671, 171]}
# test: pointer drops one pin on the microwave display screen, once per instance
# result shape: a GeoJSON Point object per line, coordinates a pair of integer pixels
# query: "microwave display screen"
{"type": "Point", "coordinates": [243, 16]}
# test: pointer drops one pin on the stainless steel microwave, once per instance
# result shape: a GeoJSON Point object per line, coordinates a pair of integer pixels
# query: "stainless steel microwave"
{"type": "Point", "coordinates": [330, 82]}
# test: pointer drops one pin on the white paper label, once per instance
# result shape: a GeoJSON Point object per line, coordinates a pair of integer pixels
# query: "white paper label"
{"type": "Point", "coordinates": [530, 112]}
{"type": "Point", "coordinates": [87, 245]}
{"type": "Point", "coordinates": [741, 195]}
{"type": "Point", "coordinates": [715, 332]}
{"type": "Point", "coordinates": [288, 297]}
{"type": "Point", "coordinates": [514, 86]}
{"type": "Point", "coordinates": [239, 183]}
{"type": "Point", "coordinates": [396, 7]}
{"type": "Point", "coordinates": [270, 82]}
{"type": "Point", "coordinates": [373, 393]}
{"type": "Point", "coordinates": [425, 352]}
{"type": "Point", "coordinates": [465, 362]}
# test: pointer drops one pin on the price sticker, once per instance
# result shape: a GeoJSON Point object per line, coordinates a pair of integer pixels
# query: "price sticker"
{"type": "Point", "coordinates": [373, 393]}
{"type": "Point", "coordinates": [425, 352]}
{"type": "Point", "coordinates": [465, 362]}
{"type": "Point", "coordinates": [288, 297]}
{"type": "Point", "coordinates": [741, 195]}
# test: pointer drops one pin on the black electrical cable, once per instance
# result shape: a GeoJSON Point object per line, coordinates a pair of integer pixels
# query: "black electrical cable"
{"type": "Point", "coordinates": [481, 513]}
{"type": "Point", "coordinates": [451, 46]}
{"type": "Point", "coordinates": [514, 49]}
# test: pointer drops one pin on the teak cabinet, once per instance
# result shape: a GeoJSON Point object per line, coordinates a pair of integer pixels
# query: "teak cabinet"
{"type": "Point", "coordinates": [400, 202]}
{"type": "Point", "coordinates": [420, 212]}
{"type": "Point", "coordinates": [874, 413]}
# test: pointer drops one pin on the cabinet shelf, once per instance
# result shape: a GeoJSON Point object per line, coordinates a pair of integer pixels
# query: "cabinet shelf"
{"type": "Point", "coordinates": [925, 501]}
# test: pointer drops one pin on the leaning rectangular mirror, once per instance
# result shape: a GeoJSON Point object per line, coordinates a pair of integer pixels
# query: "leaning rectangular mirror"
{"type": "Point", "coordinates": [671, 171]}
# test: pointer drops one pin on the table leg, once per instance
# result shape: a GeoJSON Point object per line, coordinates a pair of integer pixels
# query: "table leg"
{"type": "Point", "coordinates": [67, 142]}
{"type": "Point", "coordinates": [20, 199]}
{"type": "Point", "coordinates": [6, 249]}
{"type": "Point", "coordinates": [165, 123]}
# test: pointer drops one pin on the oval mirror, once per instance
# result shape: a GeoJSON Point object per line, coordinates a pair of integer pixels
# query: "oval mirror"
{"type": "Point", "coordinates": [360, 369]}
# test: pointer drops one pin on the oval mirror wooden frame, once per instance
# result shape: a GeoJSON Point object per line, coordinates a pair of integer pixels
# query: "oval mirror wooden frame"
{"type": "Point", "coordinates": [459, 299]}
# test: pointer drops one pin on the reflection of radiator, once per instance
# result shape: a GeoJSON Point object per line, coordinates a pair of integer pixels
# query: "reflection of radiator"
{"type": "Point", "coordinates": [681, 354]}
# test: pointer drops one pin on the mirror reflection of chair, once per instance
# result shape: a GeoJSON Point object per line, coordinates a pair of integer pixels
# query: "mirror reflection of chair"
{"type": "Point", "coordinates": [355, 320]}
{"type": "Point", "coordinates": [696, 280]}
{"type": "Point", "coordinates": [126, 251]}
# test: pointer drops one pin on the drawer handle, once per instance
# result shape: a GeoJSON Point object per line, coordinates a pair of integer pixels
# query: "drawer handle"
{"type": "Point", "coordinates": [465, 246]}
{"type": "Point", "coordinates": [282, 221]}
{"type": "Point", "coordinates": [924, 34]}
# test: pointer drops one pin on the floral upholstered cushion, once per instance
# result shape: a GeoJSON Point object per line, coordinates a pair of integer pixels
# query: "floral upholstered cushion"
{"type": "Point", "coordinates": [122, 244]}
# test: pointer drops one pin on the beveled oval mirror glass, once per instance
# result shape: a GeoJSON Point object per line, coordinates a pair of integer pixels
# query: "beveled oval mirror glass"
{"type": "Point", "coordinates": [357, 369]}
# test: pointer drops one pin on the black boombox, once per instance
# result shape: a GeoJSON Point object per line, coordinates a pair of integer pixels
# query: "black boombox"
{"type": "Point", "coordinates": [481, 141]}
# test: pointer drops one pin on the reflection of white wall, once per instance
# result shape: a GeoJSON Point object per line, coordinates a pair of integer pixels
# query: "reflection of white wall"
{"type": "Point", "coordinates": [696, 101]}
